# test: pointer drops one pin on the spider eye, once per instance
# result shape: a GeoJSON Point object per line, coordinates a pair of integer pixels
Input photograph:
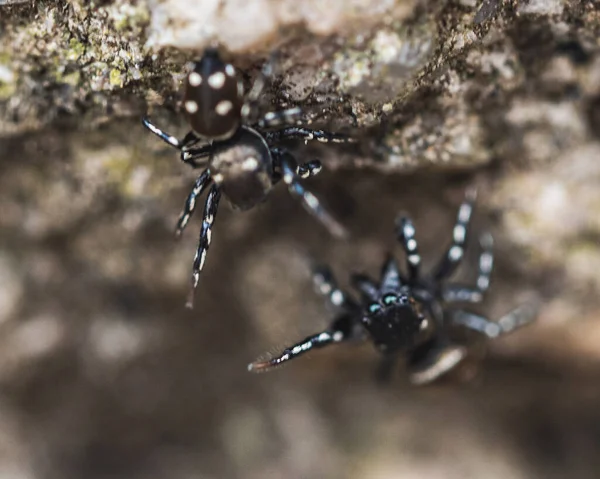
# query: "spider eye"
{"type": "Point", "coordinates": [390, 299]}
{"type": "Point", "coordinates": [373, 308]}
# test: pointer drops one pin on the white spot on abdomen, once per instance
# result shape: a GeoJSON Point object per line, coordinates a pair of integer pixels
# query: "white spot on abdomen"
{"type": "Point", "coordinates": [250, 164]}
{"type": "Point", "coordinates": [191, 106]}
{"type": "Point", "coordinates": [195, 79]}
{"type": "Point", "coordinates": [223, 107]}
{"type": "Point", "coordinates": [216, 80]}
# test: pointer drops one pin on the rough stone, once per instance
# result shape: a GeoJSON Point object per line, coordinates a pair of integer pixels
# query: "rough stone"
{"type": "Point", "coordinates": [105, 374]}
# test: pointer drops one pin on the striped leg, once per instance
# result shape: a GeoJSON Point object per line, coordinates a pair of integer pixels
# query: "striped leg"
{"type": "Point", "coordinates": [308, 169]}
{"type": "Point", "coordinates": [326, 285]}
{"type": "Point", "coordinates": [309, 201]}
{"type": "Point", "coordinates": [456, 251]}
{"type": "Point", "coordinates": [188, 155]}
{"type": "Point", "coordinates": [434, 359]}
{"type": "Point", "coordinates": [188, 140]}
{"type": "Point", "coordinates": [250, 107]}
{"type": "Point", "coordinates": [306, 134]}
{"type": "Point", "coordinates": [190, 203]}
{"type": "Point", "coordinates": [265, 73]}
{"type": "Point", "coordinates": [210, 212]}
{"type": "Point", "coordinates": [459, 293]}
{"type": "Point", "coordinates": [515, 319]}
{"type": "Point", "coordinates": [345, 327]}
{"type": "Point", "coordinates": [390, 276]}
{"type": "Point", "coordinates": [486, 262]}
{"type": "Point", "coordinates": [273, 119]}
{"type": "Point", "coordinates": [311, 342]}
{"type": "Point", "coordinates": [406, 234]}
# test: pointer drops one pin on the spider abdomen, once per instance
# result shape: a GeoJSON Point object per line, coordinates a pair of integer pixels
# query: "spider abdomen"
{"type": "Point", "coordinates": [243, 166]}
{"type": "Point", "coordinates": [213, 97]}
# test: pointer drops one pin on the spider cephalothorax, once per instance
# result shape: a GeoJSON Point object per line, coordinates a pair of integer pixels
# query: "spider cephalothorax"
{"type": "Point", "coordinates": [409, 314]}
{"type": "Point", "coordinates": [234, 146]}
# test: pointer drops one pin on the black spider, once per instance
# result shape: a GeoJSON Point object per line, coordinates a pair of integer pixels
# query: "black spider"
{"type": "Point", "coordinates": [234, 147]}
{"type": "Point", "coordinates": [407, 314]}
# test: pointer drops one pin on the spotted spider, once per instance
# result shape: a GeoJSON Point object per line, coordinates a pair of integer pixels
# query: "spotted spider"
{"type": "Point", "coordinates": [234, 147]}
{"type": "Point", "coordinates": [408, 314]}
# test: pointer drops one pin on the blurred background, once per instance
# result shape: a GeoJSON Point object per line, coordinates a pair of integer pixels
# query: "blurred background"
{"type": "Point", "coordinates": [105, 374]}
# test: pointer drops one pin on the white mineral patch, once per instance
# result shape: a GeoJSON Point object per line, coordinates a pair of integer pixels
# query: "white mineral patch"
{"type": "Point", "coordinates": [542, 7]}
{"type": "Point", "coordinates": [240, 25]}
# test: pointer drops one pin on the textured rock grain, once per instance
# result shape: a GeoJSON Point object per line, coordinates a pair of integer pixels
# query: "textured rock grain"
{"type": "Point", "coordinates": [242, 26]}
{"type": "Point", "coordinates": [105, 374]}
{"type": "Point", "coordinates": [439, 75]}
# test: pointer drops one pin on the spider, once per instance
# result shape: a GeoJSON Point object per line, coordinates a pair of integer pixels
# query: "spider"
{"type": "Point", "coordinates": [407, 314]}
{"type": "Point", "coordinates": [234, 147]}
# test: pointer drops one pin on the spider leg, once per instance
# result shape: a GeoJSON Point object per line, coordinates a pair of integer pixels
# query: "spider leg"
{"type": "Point", "coordinates": [390, 276]}
{"type": "Point", "coordinates": [305, 170]}
{"type": "Point", "coordinates": [434, 359]}
{"type": "Point", "coordinates": [306, 134]}
{"type": "Point", "coordinates": [344, 328]}
{"type": "Point", "coordinates": [456, 251]}
{"type": "Point", "coordinates": [249, 109]}
{"type": "Point", "coordinates": [515, 319]}
{"type": "Point", "coordinates": [486, 261]}
{"type": "Point", "coordinates": [368, 289]}
{"type": "Point", "coordinates": [319, 340]}
{"type": "Point", "coordinates": [458, 293]}
{"type": "Point", "coordinates": [261, 79]}
{"type": "Point", "coordinates": [190, 155]}
{"type": "Point", "coordinates": [188, 140]}
{"type": "Point", "coordinates": [406, 234]}
{"type": "Point", "coordinates": [309, 201]}
{"type": "Point", "coordinates": [288, 117]}
{"type": "Point", "coordinates": [210, 212]}
{"type": "Point", "coordinates": [308, 169]}
{"type": "Point", "coordinates": [190, 203]}
{"type": "Point", "coordinates": [326, 285]}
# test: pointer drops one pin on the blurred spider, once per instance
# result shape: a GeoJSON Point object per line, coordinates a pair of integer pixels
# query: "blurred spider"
{"type": "Point", "coordinates": [408, 314]}
{"type": "Point", "coordinates": [233, 145]}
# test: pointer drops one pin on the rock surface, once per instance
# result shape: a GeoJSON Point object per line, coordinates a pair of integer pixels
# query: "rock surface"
{"type": "Point", "coordinates": [105, 374]}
